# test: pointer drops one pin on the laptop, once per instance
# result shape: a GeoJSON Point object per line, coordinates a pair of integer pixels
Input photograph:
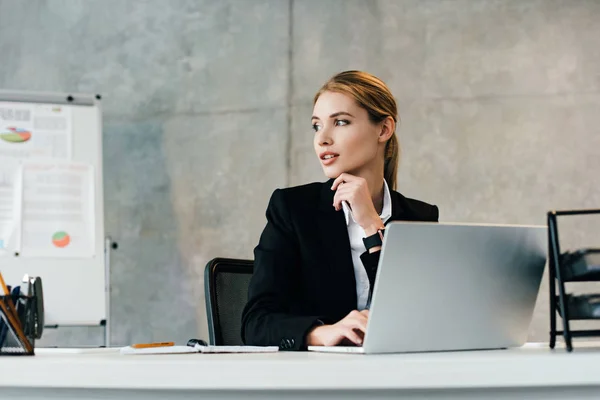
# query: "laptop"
{"type": "Point", "coordinates": [445, 287]}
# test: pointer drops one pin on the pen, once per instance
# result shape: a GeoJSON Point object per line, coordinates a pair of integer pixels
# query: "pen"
{"type": "Point", "coordinates": [148, 345]}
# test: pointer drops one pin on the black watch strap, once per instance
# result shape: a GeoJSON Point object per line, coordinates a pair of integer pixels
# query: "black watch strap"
{"type": "Point", "coordinates": [373, 240]}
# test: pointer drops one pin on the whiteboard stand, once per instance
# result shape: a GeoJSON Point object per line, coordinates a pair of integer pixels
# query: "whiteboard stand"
{"type": "Point", "coordinates": [63, 277]}
{"type": "Point", "coordinates": [108, 245]}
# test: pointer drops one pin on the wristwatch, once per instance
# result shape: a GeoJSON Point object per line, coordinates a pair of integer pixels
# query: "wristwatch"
{"type": "Point", "coordinates": [374, 240]}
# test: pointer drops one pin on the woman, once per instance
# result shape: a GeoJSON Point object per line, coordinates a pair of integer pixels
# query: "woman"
{"type": "Point", "coordinates": [317, 256]}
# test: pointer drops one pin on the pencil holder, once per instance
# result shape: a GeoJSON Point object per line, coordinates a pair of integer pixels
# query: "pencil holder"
{"type": "Point", "coordinates": [18, 325]}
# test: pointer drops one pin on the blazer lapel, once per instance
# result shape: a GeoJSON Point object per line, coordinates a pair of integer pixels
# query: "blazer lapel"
{"type": "Point", "coordinates": [398, 212]}
{"type": "Point", "coordinates": [333, 233]}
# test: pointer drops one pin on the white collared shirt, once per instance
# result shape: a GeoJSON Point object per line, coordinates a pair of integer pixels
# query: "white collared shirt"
{"type": "Point", "coordinates": [356, 234]}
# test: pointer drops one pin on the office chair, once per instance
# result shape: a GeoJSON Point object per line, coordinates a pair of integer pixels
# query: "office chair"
{"type": "Point", "coordinates": [225, 290]}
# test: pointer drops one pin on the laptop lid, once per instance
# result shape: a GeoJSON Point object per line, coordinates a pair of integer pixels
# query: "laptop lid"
{"type": "Point", "coordinates": [443, 286]}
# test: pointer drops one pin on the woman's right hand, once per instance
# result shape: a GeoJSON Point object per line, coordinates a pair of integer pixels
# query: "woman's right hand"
{"type": "Point", "coordinates": [352, 328]}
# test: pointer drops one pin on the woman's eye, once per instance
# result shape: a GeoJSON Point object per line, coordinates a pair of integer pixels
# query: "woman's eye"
{"type": "Point", "coordinates": [316, 127]}
{"type": "Point", "coordinates": [341, 122]}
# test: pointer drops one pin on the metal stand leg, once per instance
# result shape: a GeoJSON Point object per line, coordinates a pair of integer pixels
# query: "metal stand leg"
{"type": "Point", "coordinates": [565, 317]}
{"type": "Point", "coordinates": [107, 252]}
{"type": "Point", "coordinates": [552, 290]}
{"type": "Point", "coordinates": [555, 257]}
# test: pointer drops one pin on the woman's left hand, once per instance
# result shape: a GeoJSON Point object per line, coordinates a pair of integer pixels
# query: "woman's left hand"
{"type": "Point", "coordinates": [355, 191]}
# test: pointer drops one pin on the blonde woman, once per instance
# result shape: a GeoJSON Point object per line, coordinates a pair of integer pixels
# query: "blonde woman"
{"type": "Point", "coordinates": [317, 257]}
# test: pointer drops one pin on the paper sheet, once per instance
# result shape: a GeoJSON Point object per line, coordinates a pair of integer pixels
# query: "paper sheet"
{"type": "Point", "coordinates": [237, 349]}
{"type": "Point", "coordinates": [128, 350]}
{"type": "Point", "coordinates": [9, 200]}
{"type": "Point", "coordinates": [57, 217]}
{"type": "Point", "coordinates": [27, 132]}
{"type": "Point", "coordinates": [35, 131]}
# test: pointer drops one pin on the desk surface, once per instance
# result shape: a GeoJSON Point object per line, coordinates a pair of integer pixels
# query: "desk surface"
{"type": "Point", "coordinates": [529, 366]}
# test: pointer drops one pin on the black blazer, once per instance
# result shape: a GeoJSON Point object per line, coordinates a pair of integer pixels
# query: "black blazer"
{"type": "Point", "coordinates": [303, 269]}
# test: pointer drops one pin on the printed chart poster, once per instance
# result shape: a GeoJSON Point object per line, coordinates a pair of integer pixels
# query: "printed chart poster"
{"type": "Point", "coordinates": [9, 200]}
{"type": "Point", "coordinates": [35, 130]}
{"type": "Point", "coordinates": [57, 218]}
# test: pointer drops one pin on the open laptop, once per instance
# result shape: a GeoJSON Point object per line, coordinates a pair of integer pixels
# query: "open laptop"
{"type": "Point", "coordinates": [443, 287]}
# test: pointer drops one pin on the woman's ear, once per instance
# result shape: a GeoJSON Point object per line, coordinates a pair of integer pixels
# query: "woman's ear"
{"type": "Point", "coordinates": [388, 126]}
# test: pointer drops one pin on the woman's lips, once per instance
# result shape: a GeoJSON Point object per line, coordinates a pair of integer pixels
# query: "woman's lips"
{"type": "Point", "coordinates": [329, 159]}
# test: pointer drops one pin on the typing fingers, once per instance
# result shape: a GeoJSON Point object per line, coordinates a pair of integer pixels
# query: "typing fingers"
{"type": "Point", "coordinates": [351, 335]}
{"type": "Point", "coordinates": [358, 324]}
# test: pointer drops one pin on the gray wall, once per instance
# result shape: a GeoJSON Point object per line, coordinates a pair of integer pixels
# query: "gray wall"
{"type": "Point", "coordinates": [207, 106]}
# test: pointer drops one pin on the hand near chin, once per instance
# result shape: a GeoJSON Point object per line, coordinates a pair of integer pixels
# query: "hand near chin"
{"type": "Point", "coordinates": [355, 191]}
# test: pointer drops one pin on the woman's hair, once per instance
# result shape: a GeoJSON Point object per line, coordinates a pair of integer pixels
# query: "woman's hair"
{"type": "Point", "coordinates": [374, 96]}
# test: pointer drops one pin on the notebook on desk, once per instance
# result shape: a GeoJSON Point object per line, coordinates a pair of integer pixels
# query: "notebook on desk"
{"type": "Point", "coordinates": [444, 287]}
{"type": "Point", "coordinates": [193, 347]}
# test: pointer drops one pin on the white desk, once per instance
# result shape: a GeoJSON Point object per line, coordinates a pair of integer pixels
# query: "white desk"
{"type": "Point", "coordinates": [532, 372]}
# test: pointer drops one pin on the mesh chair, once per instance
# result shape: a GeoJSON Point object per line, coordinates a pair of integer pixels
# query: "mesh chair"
{"type": "Point", "coordinates": [226, 290]}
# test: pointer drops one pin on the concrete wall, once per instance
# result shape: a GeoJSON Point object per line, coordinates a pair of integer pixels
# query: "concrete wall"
{"type": "Point", "coordinates": [207, 107]}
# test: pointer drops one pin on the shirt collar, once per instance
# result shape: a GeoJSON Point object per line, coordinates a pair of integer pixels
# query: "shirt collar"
{"type": "Point", "coordinates": [386, 211]}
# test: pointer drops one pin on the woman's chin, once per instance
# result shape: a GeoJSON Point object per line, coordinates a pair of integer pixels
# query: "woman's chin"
{"type": "Point", "coordinates": [331, 172]}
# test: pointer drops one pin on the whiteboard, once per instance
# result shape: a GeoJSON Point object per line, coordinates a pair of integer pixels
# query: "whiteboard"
{"type": "Point", "coordinates": [75, 289]}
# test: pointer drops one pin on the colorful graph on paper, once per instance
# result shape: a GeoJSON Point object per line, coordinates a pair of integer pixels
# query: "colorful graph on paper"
{"type": "Point", "coordinates": [15, 135]}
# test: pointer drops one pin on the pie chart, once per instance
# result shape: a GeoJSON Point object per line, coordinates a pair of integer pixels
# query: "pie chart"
{"type": "Point", "coordinates": [61, 239]}
{"type": "Point", "coordinates": [15, 135]}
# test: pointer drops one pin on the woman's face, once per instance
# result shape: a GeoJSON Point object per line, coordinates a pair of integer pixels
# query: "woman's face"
{"type": "Point", "coordinates": [345, 139]}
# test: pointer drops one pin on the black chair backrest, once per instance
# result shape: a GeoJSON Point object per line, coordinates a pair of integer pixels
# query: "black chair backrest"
{"type": "Point", "coordinates": [226, 283]}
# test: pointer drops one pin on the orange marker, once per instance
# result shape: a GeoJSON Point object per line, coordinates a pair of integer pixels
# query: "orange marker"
{"type": "Point", "coordinates": [148, 345]}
